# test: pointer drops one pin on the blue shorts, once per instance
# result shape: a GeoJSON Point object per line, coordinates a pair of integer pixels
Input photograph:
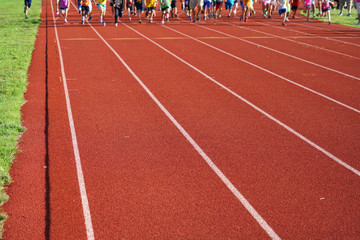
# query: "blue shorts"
{"type": "Point", "coordinates": [28, 3]}
{"type": "Point", "coordinates": [281, 11]}
{"type": "Point", "coordinates": [101, 5]}
{"type": "Point", "coordinates": [207, 4]}
{"type": "Point", "coordinates": [229, 5]}
{"type": "Point", "coordinates": [139, 6]}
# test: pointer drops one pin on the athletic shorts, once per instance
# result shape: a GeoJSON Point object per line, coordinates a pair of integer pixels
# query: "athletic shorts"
{"type": "Point", "coordinates": [101, 5]}
{"type": "Point", "coordinates": [139, 6]}
{"type": "Point", "coordinates": [307, 7]}
{"type": "Point", "coordinates": [229, 5]}
{"type": "Point", "coordinates": [28, 3]}
{"type": "Point", "coordinates": [281, 11]}
{"type": "Point", "coordinates": [164, 8]}
{"type": "Point", "coordinates": [151, 9]}
{"type": "Point", "coordinates": [85, 9]}
{"type": "Point", "coordinates": [325, 9]}
{"type": "Point", "coordinates": [173, 4]}
{"type": "Point", "coordinates": [129, 6]}
{"type": "Point", "coordinates": [294, 8]}
{"type": "Point", "coordinates": [207, 4]}
{"type": "Point", "coordinates": [63, 9]}
{"type": "Point", "coordinates": [218, 5]}
{"type": "Point", "coordinates": [193, 3]}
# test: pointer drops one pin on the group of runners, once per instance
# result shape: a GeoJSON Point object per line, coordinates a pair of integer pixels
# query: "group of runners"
{"type": "Point", "coordinates": [195, 8]}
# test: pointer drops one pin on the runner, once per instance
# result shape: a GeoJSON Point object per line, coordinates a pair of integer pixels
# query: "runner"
{"type": "Point", "coordinates": [247, 7]}
{"type": "Point", "coordinates": [174, 8]}
{"type": "Point", "coordinates": [64, 8]}
{"type": "Point", "coordinates": [207, 9]}
{"type": "Point", "coordinates": [139, 8]}
{"type": "Point", "coordinates": [118, 9]}
{"type": "Point", "coordinates": [129, 8]}
{"type": "Point", "coordinates": [228, 6]}
{"type": "Point", "coordinates": [165, 9]}
{"type": "Point", "coordinates": [195, 6]}
{"type": "Point", "coordinates": [27, 7]}
{"type": "Point", "coordinates": [294, 7]}
{"type": "Point", "coordinates": [307, 7]}
{"type": "Point", "coordinates": [101, 4]}
{"type": "Point", "coordinates": [218, 8]}
{"type": "Point", "coordinates": [325, 8]}
{"type": "Point", "coordinates": [150, 5]}
{"type": "Point", "coordinates": [85, 9]}
{"type": "Point", "coordinates": [282, 9]}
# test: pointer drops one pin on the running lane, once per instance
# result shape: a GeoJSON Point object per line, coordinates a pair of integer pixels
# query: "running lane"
{"type": "Point", "coordinates": [143, 178]}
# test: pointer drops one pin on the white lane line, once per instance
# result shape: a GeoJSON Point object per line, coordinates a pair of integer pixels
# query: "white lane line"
{"type": "Point", "coordinates": [331, 156]}
{"type": "Point", "coordinates": [218, 172]}
{"type": "Point", "coordinates": [283, 53]}
{"type": "Point", "coordinates": [310, 34]}
{"type": "Point", "coordinates": [291, 40]}
{"type": "Point", "coordinates": [331, 30]}
{"type": "Point", "coordinates": [268, 71]}
{"type": "Point", "coordinates": [80, 175]}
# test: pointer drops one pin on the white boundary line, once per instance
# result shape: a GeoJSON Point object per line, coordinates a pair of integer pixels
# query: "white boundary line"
{"type": "Point", "coordinates": [270, 72]}
{"type": "Point", "coordinates": [291, 40]}
{"type": "Point", "coordinates": [212, 165]}
{"type": "Point", "coordinates": [283, 53]}
{"type": "Point", "coordinates": [80, 175]}
{"type": "Point", "coordinates": [309, 34]}
{"type": "Point", "coordinates": [331, 156]}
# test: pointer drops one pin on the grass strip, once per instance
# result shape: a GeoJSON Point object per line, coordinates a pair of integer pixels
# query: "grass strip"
{"type": "Point", "coordinates": [335, 18]}
{"type": "Point", "coordinates": [17, 39]}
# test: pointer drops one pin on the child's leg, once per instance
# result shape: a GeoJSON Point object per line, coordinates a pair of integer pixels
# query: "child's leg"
{"type": "Point", "coordinates": [308, 15]}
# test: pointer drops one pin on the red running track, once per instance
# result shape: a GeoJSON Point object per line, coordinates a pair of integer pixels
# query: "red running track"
{"type": "Point", "coordinates": [213, 130]}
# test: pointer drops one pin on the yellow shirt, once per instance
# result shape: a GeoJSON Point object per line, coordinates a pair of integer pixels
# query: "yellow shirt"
{"type": "Point", "coordinates": [101, 2]}
{"type": "Point", "coordinates": [150, 3]}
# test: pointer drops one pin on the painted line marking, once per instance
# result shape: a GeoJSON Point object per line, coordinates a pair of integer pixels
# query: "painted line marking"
{"type": "Point", "coordinates": [310, 34]}
{"type": "Point", "coordinates": [331, 156]}
{"type": "Point", "coordinates": [277, 75]}
{"type": "Point", "coordinates": [212, 165]}
{"type": "Point", "coordinates": [80, 174]}
{"type": "Point", "coordinates": [291, 40]}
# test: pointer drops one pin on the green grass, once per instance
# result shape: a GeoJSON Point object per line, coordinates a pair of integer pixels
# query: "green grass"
{"type": "Point", "coordinates": [335, 18]}
{"type": "Point", "coordinates": [17, 38]}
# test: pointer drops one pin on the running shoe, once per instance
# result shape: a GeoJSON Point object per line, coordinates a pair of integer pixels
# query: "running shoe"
{"type": "Point", "coordinates": [82, 22]}
{"type": "Point", "coordinates": [175, 15]}
{"type": "Point", "coordinates": [57, 13]}
{"type": "Point", "coordinates": [65, 21]}
{"type": "Point", "coordinates": [100, 19]}
{"type": "Point", "coordinates": [162, 22]}
{"type": "Point", "coordinates": [283, 24]}
{"type": "Point", "coordinates": [246, 18]}
{"type": "Point", "coordinates": [26, 17]}
{"type": "Point", "coordinates": [340, 14]}
{"type": "Point", "coordinates": [349, 15]}
{"type": "Point", "coordinates": [199, 18]}
{"type": "Point", "coordinates": [103, 23]}
{"type": "Point", "coordinates": [116, 24]}
{"type": "Point", "coordinates": [129, 18]}
{"type": "Point", "coordinates": [90, 18]}
{"type": "Point", "coordinates": [140, 21]}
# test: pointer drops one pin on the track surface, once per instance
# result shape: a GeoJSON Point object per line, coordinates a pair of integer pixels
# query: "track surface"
{"type": "Point", "coordinates": [213, 130]}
